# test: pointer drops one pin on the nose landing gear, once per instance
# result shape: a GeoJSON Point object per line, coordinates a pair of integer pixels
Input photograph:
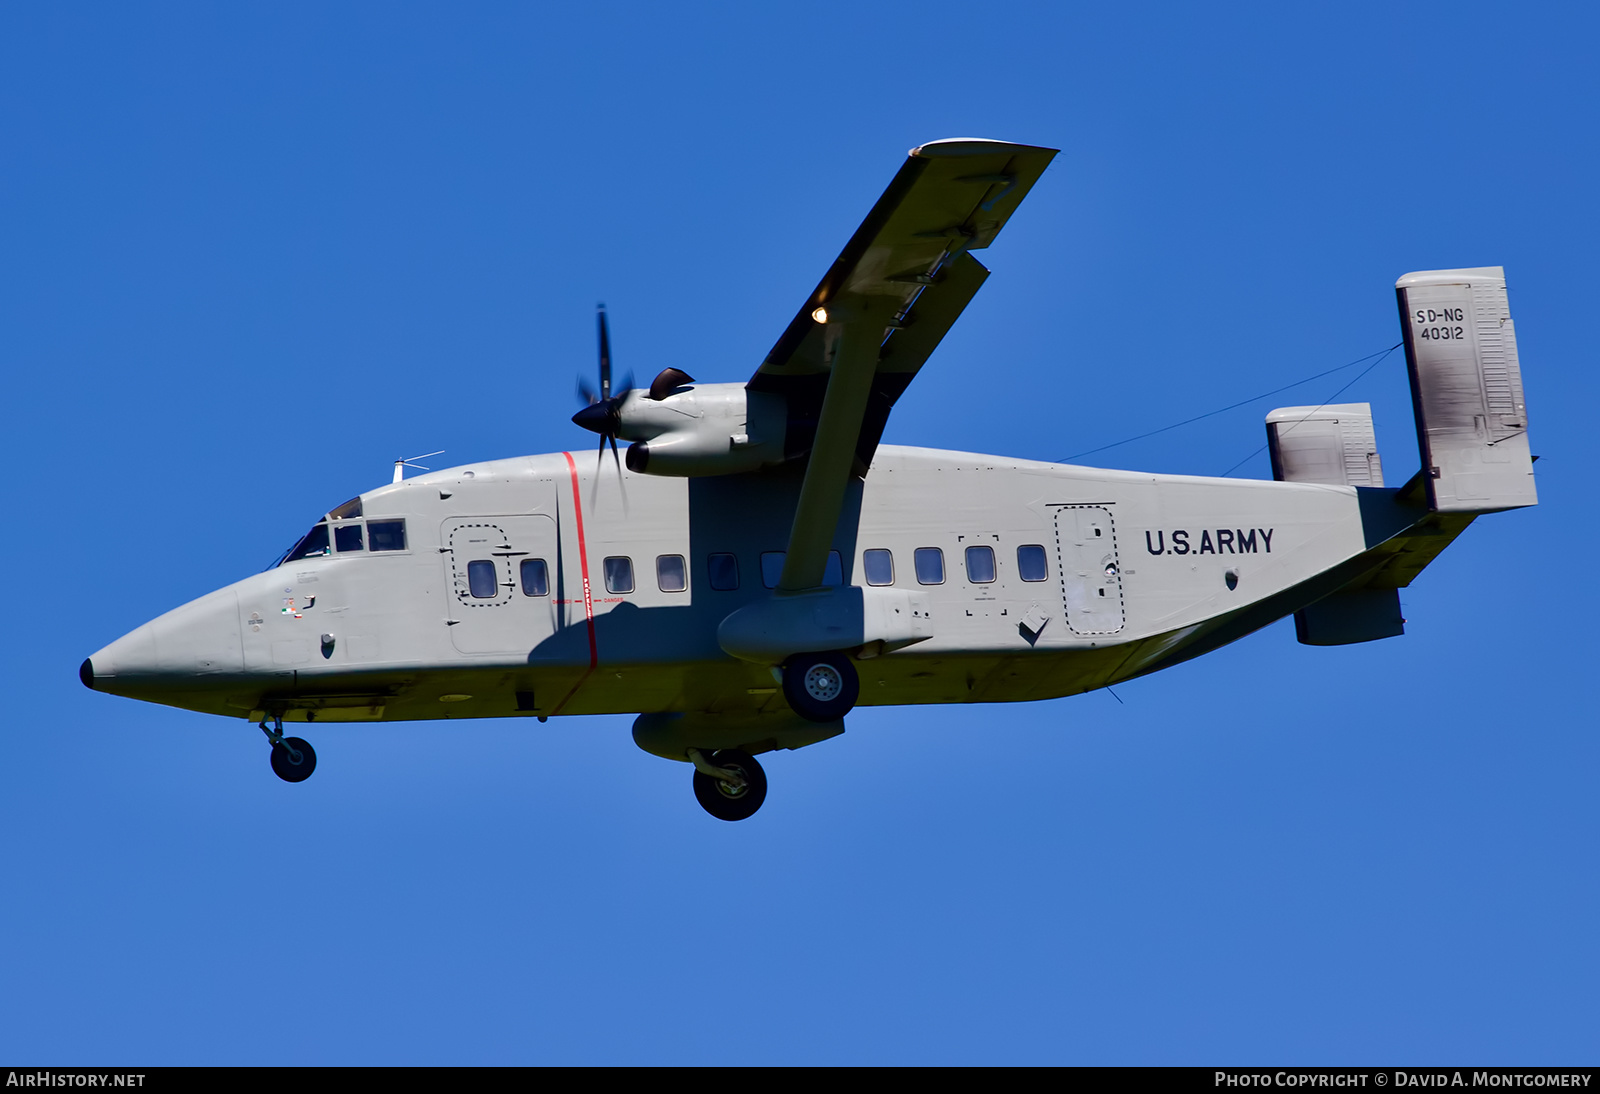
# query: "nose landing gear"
{"type": "Point", "coordinates": [293, 759]}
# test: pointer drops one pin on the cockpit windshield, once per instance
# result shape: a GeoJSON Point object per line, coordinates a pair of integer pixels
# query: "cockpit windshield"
{"type": "Point", "coordinates": [313, 543]}
{"type": "Point", "coordinates": [342, 530]}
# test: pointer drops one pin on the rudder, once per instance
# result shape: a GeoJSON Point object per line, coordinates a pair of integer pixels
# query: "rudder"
{"type": "Point", "coordinates": [1466, 387]}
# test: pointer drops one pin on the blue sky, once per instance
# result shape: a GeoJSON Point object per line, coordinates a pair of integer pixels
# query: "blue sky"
{"type": "Point", "coordinates": [252, 251]}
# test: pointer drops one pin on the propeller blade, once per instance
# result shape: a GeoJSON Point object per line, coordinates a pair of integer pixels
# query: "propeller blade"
{"type": "Point", "coordinates": [605, 355]}
{"type": "Point", "coordinates": [602, 411]}
{"type": "Point", "coordinates": [621, 489]}
{"type": "Point", "coordinates": [599, 466]}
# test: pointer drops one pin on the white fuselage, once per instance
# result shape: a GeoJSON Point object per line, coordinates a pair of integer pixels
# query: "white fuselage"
{"type": "Point", "coordinates": [1140, 571]}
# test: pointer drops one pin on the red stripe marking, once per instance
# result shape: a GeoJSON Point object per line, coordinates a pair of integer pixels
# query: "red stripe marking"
{"type": "Point", "coordinates": [588, 600]}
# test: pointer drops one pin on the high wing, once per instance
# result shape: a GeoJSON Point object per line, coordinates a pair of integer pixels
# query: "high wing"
{"type": "Point", "coordinates": [907, 263]}
{"type": "Point", "coordinates": [879, 311]}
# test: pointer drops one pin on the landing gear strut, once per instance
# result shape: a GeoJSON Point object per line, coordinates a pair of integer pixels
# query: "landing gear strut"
{"type": "Point", "coordinates": [293, 759]}
{"type": "Point", "coordinates": [730, 785]}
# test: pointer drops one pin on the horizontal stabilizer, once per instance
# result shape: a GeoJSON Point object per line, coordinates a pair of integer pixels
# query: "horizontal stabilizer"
{"type": "Point", "coordinates": [1466, 385]}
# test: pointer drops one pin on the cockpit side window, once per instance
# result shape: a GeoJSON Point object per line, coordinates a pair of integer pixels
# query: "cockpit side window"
{"type": "Point", "coordinates": [313, 544]}
{"type": "Point", "coordinates": [386, 535]}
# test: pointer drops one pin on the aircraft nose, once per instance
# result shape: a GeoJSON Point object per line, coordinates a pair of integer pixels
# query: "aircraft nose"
{"type": "Point", "coordinates": [199, 639]}
{"type": "Point", "coordinates": [132, 655]}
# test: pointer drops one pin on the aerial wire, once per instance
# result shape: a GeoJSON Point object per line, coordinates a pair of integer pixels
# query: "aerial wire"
{"type": "Point", "coordinates": [1380, 355]}
{"type": "Point", "coordinates": [1324, 403]}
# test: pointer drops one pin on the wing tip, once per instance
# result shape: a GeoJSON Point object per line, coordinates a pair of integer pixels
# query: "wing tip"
{"type": "Point", "coordinates": [972, 146]}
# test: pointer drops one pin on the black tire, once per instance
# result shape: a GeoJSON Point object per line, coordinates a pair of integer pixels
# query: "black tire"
{"type": "Point", "coordinates": [821, 687]}
{"type": "Point", "coordinates": [286, 767]}
{"type": "Point", "coordinates": [719, 800]}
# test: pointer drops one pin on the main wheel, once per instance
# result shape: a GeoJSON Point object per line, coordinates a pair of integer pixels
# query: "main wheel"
{"type": "Point", "coordinates": [723, 801]}
{"type": "Point", "coordinates": [821, 687]}
{"type": "Point", "coordinates": [289, 769]}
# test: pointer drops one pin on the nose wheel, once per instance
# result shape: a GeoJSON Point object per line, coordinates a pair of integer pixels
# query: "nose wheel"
{"type": "Point", "coordinates": [730, 785]}
{"type": "Point", "coordinates": [293, 758]}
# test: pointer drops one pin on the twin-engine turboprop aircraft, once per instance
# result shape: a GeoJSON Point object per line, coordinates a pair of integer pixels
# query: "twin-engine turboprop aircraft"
{"type": "Point", "coordinates": [763, 565]}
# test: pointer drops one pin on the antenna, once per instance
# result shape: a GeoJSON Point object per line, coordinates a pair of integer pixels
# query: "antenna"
{"type": "Point", "coordinates": [411, 461]}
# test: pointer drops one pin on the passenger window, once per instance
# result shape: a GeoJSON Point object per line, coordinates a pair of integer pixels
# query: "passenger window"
{"type": "Point", "coordinates": [480, 580]}
{"type": "Point", "coordinates": [671, 574]}
{"type": "Point", "coordinates": [314, 544]}
{"type": "Point", "coordinates": [980, 565]}
{"type": "Point", "coordinates": [619, 574]}
{"type": "Point", "coordinates": [930, 566]}
{"type": "Point", "coordinates": [723, 572]}
{"type": "Point", "coordinates": [347, 537]}
{"type": "Point", "coordinates": [833, 569]}
{"type": "Point", "coordinates": [535, 577]}
{"type": "Point", "coordinates": [772, 568]}
{"type": "Point", "coordinates": [386, 535]}
{"type": "Point", "coordinates": [1031, 565]}
{"type": "Point", "coordinates": [878, 565]}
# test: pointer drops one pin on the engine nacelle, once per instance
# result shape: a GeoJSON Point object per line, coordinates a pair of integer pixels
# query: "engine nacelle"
{"type": "Point", "coordinates": [709, 429]}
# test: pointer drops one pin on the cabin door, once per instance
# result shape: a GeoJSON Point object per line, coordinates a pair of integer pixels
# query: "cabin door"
{"type": "Point", "coordinates": [499, 573]}
{"type": "Point", "coordinates": [1091, 573]}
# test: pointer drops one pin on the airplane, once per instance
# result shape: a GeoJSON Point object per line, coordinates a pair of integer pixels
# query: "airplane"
{"type": "Point", "coordinates": [759, 564]}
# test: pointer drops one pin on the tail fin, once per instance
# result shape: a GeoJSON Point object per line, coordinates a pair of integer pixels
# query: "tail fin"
{"type": "Point", "coordinates": [1333, 444]}
{"type": "Point", "coordinates": [1466, 386]}
{"type": "Point", "coordinates": [1336, 445]}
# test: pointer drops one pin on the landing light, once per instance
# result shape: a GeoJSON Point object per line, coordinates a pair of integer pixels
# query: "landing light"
{"type": "Point", "coordinates": [820, 315]}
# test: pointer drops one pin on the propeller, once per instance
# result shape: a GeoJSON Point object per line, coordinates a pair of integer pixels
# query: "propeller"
{"type": "Point", "coordinates": [602, 412]}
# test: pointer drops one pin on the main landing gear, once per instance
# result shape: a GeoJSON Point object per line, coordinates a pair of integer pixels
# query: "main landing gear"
{"type": "Point", "coordinates": [293, 759]}
{"type": "Point", "coordinates": [821, 687]}
{"type": "Point", "coordinates": [730, 785]}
